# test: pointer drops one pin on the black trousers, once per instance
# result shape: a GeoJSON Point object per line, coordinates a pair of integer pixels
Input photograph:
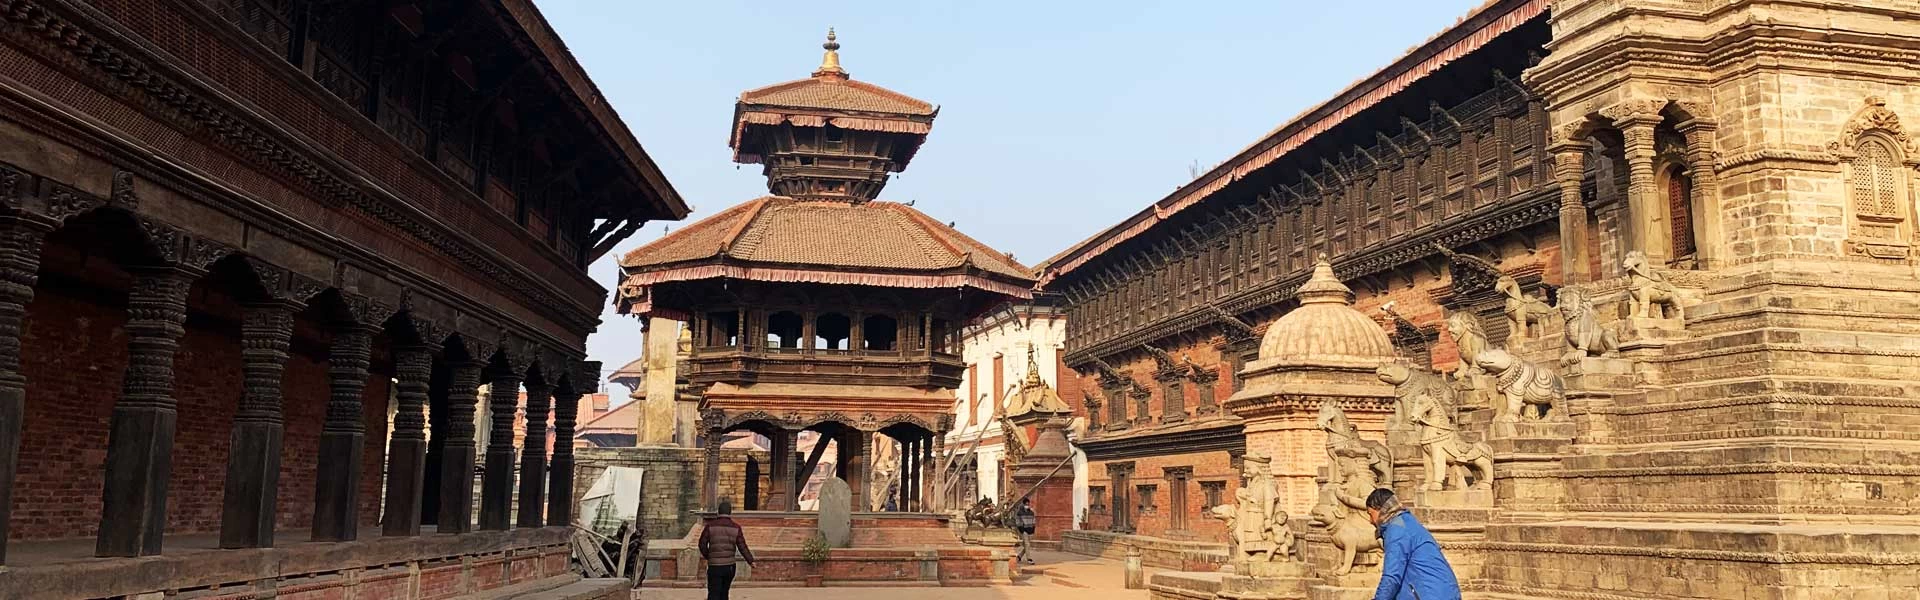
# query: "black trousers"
{"type": "Point", "coordinates": [719, 582]}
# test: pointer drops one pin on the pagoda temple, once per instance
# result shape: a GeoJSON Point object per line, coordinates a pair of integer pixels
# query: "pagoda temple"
{"type": "Point", "coordinates": [817, 307]}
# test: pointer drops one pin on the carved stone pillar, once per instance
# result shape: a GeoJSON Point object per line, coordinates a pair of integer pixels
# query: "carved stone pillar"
{"type": "Point", "coordinates": [459, 450]}
{"type": "Point", "coordinates": [1701, 158]}
{"type": "Point", "coordinates": [533, 455]}
{"type": "Point", "coordinates": [20, 244]}
{"type": "Point", "coordinates": [1647, 218]}
{"type": "Point", "coordinates": [253, 459]}
{"type": "Point", "coordinates": [407, 451]}
{"type": "Point", "coordinates": [710, 477]}
{"type": "Point", "coordinates": [496, 485]}
{"type": "Point", "coordinates": [133, 511]}
{"type": "Point", "coordinates": [336, 495]}
{"type": "Point", "coordinates": [566, 408]}
{"type": "Point", "coordinates": [1569, 165]}
{"type": "Point", "coordinates": [939, 484]}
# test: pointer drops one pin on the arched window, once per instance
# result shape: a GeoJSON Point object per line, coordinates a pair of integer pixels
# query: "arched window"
{"type": "Point", "coordinates": [831, 331]}
{"type": "Point", "coordinates": [1680, 212]}
{"type": "Point", "coordinates": [880, 332]}
{"type": "Point", "coordinates": [783, 329]}
{"type": "Point", "coordinates": [1875, 188]}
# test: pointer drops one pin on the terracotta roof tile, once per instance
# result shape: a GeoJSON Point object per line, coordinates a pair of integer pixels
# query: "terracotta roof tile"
{"type": "Point", "coordinates": [828, 93]}
{"type": "Point", "coordinates": [877, 236]}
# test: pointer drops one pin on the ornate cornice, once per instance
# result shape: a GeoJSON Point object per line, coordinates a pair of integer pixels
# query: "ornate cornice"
{"type": "Point", "coordinates": [132, 75]}
{"type": "Point", "coordinates": [1223, 435]}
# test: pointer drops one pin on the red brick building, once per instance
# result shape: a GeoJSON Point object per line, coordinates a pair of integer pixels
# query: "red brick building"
{"type": "Point", "coordinates": [237, 235]}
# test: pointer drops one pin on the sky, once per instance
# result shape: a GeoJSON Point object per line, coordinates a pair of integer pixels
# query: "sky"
{"type": "Point", "coordinates": [1057, 118]}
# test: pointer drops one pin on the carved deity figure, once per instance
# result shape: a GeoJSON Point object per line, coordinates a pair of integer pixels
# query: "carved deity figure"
{"type": "Point", "coordinates": [1650, 288]}
{"type": "Point", "coordinates": [1585, 336]}
{"type": "Point", "coordinates": [1522, 310]}
{"type": "Point", "coordinates": [1523, 384]}
{"type": "Point", "coordinates": [1343, 439]}
{"type": "Point", "coordinates": [1342, 507]}
{"type": "Point", "coordinates": [1256, 524]}
{"type": "Point", "coordinates": [1470, 339]}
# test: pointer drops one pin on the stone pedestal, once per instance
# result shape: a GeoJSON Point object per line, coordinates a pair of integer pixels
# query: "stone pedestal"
{"type": "Point", "coordinates": [1051, 483]}
{"type": "Point", "coordinates": [998, 537]}
{"type": "Point", "coordinates": [1282, 580]}
{"type": "Point", "coordinates": [669, 489]}
{"type": "Point", "coordinates": [1352, 586]}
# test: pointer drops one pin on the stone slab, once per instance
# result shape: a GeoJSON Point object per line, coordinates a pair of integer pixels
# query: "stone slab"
{"type": "Point", "coordinates": [836, 512]}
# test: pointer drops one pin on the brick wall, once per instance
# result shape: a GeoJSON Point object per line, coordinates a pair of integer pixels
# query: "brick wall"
{"type": "Point", "coordinates": [74, 357]}
{"type": "Point", "coordinates": [1208, 467]}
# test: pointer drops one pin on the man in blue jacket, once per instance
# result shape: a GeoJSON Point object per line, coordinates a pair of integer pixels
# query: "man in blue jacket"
{"type": "Point", "coordinates": [1414, 568]}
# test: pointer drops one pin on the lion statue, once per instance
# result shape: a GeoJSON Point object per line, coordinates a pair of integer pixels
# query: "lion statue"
{"type": "Point", "coordinates": [1584, 333]}
{"type": "Point", "coordinates": [1467, 335]}
{"type": "Point", "coordinates": [1524, 385]}
{"type": "Point", "coordinates": [1521, 310]}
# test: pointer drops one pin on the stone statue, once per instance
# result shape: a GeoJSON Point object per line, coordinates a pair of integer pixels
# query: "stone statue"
{"type": "Point", "coordinates": [1649, 288]}
{"type": "Point", "coordinates": [981, 514]}
{"type": "Point", "coordinates": [1425, 402]}
{"type": "Point", "coordinates": [1522, 310]}
{"type": "Point", "coordinates": [1523, 383]}
{"type": "Point", "coordinates": [1343, 439]}
{"type": "Point", "coordinates": [1342, 508]}
{"type": "Point", "coordinates": [1440, 444]}
{"type": "Point", "coordinates": [1585, 336]}
{"type": "Point", "coordinates": [1470, 339]}
{"type": "Point", "coordinates": [1256, 525]}
{"type": "Point", "coordinates": [1409, 382]}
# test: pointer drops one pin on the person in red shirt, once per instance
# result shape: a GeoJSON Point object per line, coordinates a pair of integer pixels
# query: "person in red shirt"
{"type": "Point", "coordinates": [722, 543]}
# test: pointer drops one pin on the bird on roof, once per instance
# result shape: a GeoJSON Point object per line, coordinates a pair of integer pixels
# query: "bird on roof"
{"type": "Point", "coordinates": [910, 202]}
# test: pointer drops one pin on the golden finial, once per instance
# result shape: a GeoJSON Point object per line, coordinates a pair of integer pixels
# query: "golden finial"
{"type": "Point", "coordinates": [830, 64]}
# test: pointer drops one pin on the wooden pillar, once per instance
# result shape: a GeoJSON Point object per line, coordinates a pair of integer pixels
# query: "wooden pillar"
{"type": "Point", "coordinates": [856, 458]}
{"type": "Point", "coordinates": [533, 454]}
{"type": "Point", "coordinates": [496, 485]}
{"type": "Point", "coordinates": [336, 490]}
{"type": "Point", "coordinates": [133, 511]}
{"type": "Point", "coordinates": [20, 244]}
{"type": "Point", "coordinates": [407, 451]}
{"type": "Point", "coordinates": [253, 458]}
{"type": "Point", "coordinates": [459, 451]}
{"type": "Point", "coordinates": [924, 492]}
{"type": "Point", "coordinates": [1569, 168]}
{"type": "Point", "coordinates": [901, 497]}
{"type": "Point", "coordinates": [566, 408]}
{"type": "Point", "coordinates": [781, 476]}
{"type": "Point", "coordinates": [940, 488]}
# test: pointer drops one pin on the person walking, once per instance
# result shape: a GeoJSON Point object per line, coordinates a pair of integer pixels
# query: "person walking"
{"type": "Point", "coordinates": [722, 543]}
{"type": "Point", "coordinates": [1414, 568]}
{"type": "Point", "coordinates": [1024, 521]}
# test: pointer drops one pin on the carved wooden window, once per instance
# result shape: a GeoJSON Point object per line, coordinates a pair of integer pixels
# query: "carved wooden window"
{"type": "Point", "coordinates": [1116, 406]}
{"type": "Point", "coordinates": [1215, 493]}
{"type": "Point", "coordinates": [1680, 212]}
{"type": "Point", "coordinates": [1147, 504]}
{"type": "Point", "coordinates": [1876, 189]}
{"type": "Point", "coordinates": [1097, 499]}
{"type": "Point", "coordinates": [1173, 401]}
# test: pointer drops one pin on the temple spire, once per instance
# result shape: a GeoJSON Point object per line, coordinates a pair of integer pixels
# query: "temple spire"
{"type": "Point", "coordinates": [1323, 287]}
{"type": "Point", "coordinates": [830, 63]}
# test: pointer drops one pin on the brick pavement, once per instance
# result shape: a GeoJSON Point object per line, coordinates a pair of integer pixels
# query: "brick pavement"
{"type": "Point", "coordinates": [1057, 576]}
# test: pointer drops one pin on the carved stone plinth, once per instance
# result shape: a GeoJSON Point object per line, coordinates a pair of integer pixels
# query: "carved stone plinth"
{"type": "Point", "coordinates": [1529, 436]}
{"type": "Point", "coordinates": [1453, 498]}
{"type": "Point", "coordinates": [1284, 581]}
{"type": "Point", "coordinates": [999, 537]}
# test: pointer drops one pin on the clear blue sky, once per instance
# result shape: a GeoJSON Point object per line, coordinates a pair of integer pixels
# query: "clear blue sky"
{"type": "Point", "coordinates": [1057, 119]}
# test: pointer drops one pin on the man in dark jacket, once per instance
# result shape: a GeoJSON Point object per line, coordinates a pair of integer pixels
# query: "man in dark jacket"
{"type": "Point", "coordinates": [1024, 522]}
{"type": "Point", "coordinates": [1414, 568]}
{"type": "Point", "coordinates": [722, 542]}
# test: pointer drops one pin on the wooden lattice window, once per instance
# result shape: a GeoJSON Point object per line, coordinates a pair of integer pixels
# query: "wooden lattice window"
{"type": "Point", "coordinates": [1875, 188]}
{"type": "Point", "coordinates": [1680, 212]}
{"type": "Point", "coordinates": [1215, 493]}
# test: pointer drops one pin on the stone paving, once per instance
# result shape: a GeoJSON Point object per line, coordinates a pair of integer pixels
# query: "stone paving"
{"type": "Point", "coordinates": [1057, 576]}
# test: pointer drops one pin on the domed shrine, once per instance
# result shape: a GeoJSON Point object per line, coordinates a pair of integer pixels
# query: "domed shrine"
{"type": "Point", "coordinates": [1323, 352]}
{"type": "Point", "coordinates": [817, 307]}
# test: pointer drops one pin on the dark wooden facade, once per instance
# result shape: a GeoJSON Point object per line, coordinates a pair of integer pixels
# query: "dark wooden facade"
{"type": "Point", "coordinates": [259, 220]}
{"type": "Point", "coordinates": [1167, 307]}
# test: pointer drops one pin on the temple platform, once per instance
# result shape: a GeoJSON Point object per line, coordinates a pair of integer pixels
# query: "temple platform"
{"type": "Point", "coordinates": [888, 549]}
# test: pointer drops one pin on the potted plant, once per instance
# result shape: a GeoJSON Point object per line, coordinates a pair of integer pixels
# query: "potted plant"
{"type": "Point", "coordinates": [815, 552]}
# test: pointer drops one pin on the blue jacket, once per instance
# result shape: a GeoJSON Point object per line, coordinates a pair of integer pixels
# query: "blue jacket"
{"type": "Point", "coordinates": [1413, 564]}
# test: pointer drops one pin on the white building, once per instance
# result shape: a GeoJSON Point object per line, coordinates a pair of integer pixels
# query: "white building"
{"type": "Point", "coordinates": [995, 351]}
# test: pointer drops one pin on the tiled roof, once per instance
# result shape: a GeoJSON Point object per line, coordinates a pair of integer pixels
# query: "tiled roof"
{"type": "Point", "coordinates": [623, 418]}
{"type": "Point", "coordinates": [835, 93]}
{"type": "Point", "coordinates": [878, 237]}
